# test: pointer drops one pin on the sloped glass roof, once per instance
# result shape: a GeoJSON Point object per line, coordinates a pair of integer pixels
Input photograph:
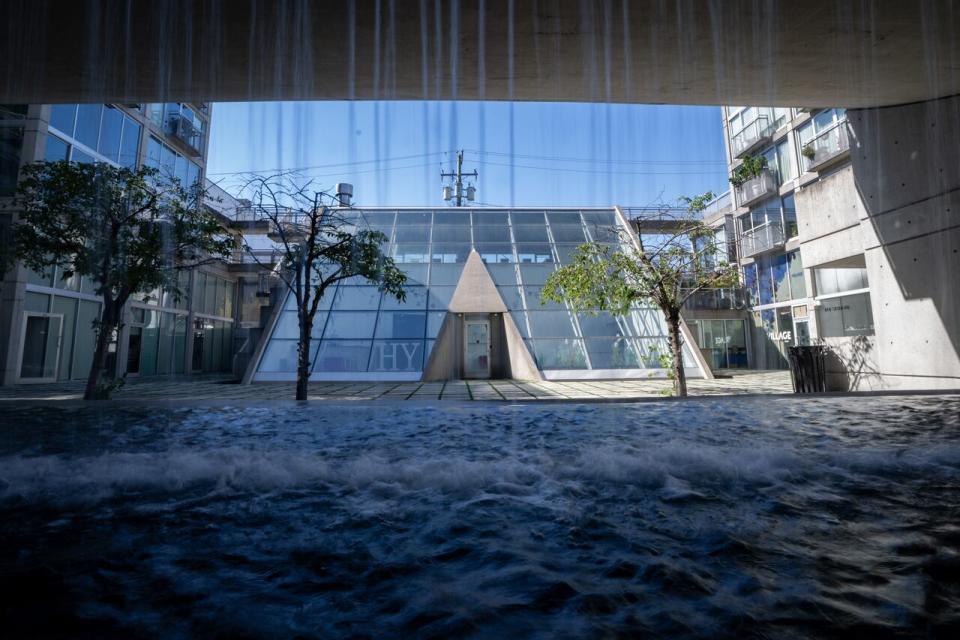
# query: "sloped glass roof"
{"type": "Point", "coordinates": [360, 331]}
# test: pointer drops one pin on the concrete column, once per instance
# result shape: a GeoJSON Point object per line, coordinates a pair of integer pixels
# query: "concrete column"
{"type": "Point", "coordinates": [906, 168]}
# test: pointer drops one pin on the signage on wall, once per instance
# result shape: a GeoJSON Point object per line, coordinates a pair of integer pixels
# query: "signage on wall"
{"type": "Point", "coordinates": [397, 356]}
{"type": "Point", "coordinates": [780, 336]}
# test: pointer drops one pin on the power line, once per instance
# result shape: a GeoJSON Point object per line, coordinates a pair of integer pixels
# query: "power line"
{"type": "Point", "coordinates": [593, 160]}
{"type": "Point", "coordinates": [329, 166]}
{"type": "Point", "coordinates": [597, 172]}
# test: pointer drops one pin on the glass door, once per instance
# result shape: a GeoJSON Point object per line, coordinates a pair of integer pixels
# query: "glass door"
{"type": "Point", "coordinates": [42, 333]}
{"type": "Point", "coordinates": [476, 357]}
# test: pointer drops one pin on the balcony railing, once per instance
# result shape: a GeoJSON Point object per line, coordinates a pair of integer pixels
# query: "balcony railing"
{"type": "Point", "coordinates": [760, 239]}
{"type": "Point", "coordinates": [733, 298]}
{"type": "Point", "coordinates": [758, 188]}
{"type": "Point", "coordinates": [723, 202]}
{"type": "Point", "coordinates": [826, 147]}
{"type": "Point", "coordinates": [752, 136]}
{"type": "Point", "coordinates": [185, 131]}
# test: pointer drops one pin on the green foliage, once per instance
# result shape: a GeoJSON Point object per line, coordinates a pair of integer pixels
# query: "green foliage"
{"type": "Point", "coordinates": [127, 230]}
{"type": "Point", "coordinates": [808, 152]}
{"type": "Point", "coordinates": [664, 274]}
{"type": "Point", "coordinates": [698, 203]}
{"type": "Point", "coordinates": [750, 167]}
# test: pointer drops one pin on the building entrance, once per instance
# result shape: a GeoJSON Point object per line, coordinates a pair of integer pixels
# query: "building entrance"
{"type": "Point", "coordinates": [476, 348]}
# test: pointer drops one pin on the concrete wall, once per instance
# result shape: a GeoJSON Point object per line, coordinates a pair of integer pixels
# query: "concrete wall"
{"type": "Point", "coordinates": [906, 170]}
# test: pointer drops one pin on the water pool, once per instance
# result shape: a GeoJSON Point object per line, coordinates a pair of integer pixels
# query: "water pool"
{"type": "Point", "coordinates": [777, 517]}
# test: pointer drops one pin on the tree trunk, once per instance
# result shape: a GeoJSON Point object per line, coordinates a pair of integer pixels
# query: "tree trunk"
{"type": "Point", "coordinates": [303, 359]}
{"type": "Point", "coordinates": [108, 324]}
{"type": "Point", "coordinates": [676, 350]}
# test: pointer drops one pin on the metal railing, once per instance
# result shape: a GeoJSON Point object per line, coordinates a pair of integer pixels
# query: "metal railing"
{"type": "Point", "coordinates": [757, 188]}
{"type": "Point", "coordinates": [826, 146]}
{"type": "Point", "coordinates": [732, 298]}
{"type": "Point", "coordinates": [765, 237]}
{"type": "Point", "coordinates": [721, 203]}
{"type": "Point", "coordinates": [184, 130]}
{"type": "Point", "coordinates": [752, 135]}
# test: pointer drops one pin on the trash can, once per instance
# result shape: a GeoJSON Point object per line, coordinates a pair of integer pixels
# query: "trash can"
{"type": "Point", "coordinates": [808, 369]}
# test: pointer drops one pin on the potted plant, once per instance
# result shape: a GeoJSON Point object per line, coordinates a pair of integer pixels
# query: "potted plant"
{"type": "Point", "coordinates": [808, 152]}
{"type": "Point", "coordinates": [751, 167]}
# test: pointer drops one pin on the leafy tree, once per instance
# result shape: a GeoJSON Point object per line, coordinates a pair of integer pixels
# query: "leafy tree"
{"type": "Point", "coordinates": [664, 269]}
{"type": "Point", "coordinates": [318, 246]}
{"type": "Point", "coordinates": [129, 231]}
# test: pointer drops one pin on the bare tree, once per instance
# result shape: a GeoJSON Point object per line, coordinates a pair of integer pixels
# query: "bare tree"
{"type": "Point", "coordinates": [319, 244]}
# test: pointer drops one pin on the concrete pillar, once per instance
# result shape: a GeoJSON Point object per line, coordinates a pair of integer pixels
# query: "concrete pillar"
{"type": "Point", "coordinates": [906, 169]}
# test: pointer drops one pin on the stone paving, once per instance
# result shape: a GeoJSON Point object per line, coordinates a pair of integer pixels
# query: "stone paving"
{"type": "Point", "coordinates": [224, 388]}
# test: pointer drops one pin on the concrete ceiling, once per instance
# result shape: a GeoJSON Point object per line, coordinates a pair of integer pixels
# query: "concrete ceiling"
{"type": "Point", "coordinates": [851, 53]}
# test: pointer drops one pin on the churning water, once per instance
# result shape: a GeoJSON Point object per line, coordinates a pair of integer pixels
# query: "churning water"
{"type": "Point", "coordinates": [772, 518]}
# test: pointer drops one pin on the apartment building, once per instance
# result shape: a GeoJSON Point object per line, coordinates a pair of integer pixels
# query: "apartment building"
{"type": "Point", "coordinates": [46, 319]}
{"type": "Point", "coordinates": [799, 240]}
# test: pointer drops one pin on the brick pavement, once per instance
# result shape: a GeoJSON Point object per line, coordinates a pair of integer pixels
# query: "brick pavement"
{"type": "Point", "coordinates": [221, 388]}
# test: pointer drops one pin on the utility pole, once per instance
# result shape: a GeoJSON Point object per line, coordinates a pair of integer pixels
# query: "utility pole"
{"type": "Point", "coordinates": [458, 191]}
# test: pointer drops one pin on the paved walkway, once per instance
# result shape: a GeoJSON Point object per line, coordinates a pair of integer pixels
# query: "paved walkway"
{"type": "Point", "coordinates": [220, 388]}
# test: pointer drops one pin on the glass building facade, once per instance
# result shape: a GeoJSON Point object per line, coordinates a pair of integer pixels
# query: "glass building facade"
{"type": "Point", "coordinates": [360, 333]}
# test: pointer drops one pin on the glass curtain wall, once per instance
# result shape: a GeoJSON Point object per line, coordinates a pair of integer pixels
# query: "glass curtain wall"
{"type": "Point", "coordinates": [358, 329]}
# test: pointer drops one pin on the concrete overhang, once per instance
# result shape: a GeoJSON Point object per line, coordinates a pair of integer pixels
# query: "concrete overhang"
{"type": "Point", "coordinates": [810, 53]}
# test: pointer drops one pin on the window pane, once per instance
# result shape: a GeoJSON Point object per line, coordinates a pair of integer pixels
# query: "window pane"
{"type": "Point", "coordinates": [535, 274]}
{"type": "Point", "coordinates": [526, 217]}
{"type": "Point", "coordinates": [131, 143]}
{"type": "Point", "coordinates": [445, 274]}
{"type": "Point", "coordinates": [503, 274]}
{"type": "Point", "coordinates": [412, 234]}
{"type": "Point", "coordinates": [88, 124]}
{"type": "Point", "coordinates": [764, 282]}
{"type": "Point", "coordinates": [536, 302]}
{"type": "Point", "coordinates": [551, 324]}
{"type": "Point", "coordinates": [357, 298]}
{"type": "Point", "coordinates": [781, 278]}
{"type": "Point", "coordinates": [55, 149]}
{"type": "Point", "coordinates": [567, 233]}
{"type": "Point", "coordinates": [401, 324]}
{"type": "Point", "coordinates": [110, 128]}
{"type": "Point", "coordinates": [346, 324]}
{"type": "Point", "coordinates": [451, 233]}
{"type": "Point", "coordinates": [483, 217]}
{"type": "Point", "coordinates": [62, 117]}
{"type": "Point", "coordinates": [440, 297]}
{"type": "Point", "coordinates": [491, 234]}
{"type": "Point", "coordinates": [414, 217]}
{"type": "Point", "coordinates": [416, 299]}
{"type": "Point", "coordinates": [612, 353]}
{"type": "Point", "coordinates": [558, 354]}
{"type": "Point", "coordinates": [452, 217]}
{"type": "Point", "coordinates": [846, 316]}
{"type": "Point", "coordinates": [343, 355]}
{"type": "Point", "coordinates": [434, 322]}
{"type": "Point", "coordinates": [797, 284]}
{"type": "Point", "coordinates": [530, 233]}
{"type": "Point", "coordinates": [281, 356]}
{"type": "Point", "coordinates": [411, 253]}
{"type": "Point", "coordinates": [449, 253]}
{"type": "Point", "coordinates": [602, 324]}
{"type": "Point", "coordinates": [534, 253]}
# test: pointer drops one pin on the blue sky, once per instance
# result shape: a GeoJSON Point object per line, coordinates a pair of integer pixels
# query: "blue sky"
{"type": "Point", "coordinates": [527, 154]}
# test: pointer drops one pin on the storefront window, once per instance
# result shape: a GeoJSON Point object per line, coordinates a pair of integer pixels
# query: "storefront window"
{"type": "Point", "coordinates": [844, 316]}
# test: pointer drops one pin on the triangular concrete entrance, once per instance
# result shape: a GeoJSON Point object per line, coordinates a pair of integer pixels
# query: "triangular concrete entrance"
{"type": "Point", "coordinates": [476, 293]}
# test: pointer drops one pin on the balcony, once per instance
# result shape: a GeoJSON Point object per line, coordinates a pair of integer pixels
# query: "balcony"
{"type": "Point", "coordinates": [753, 136]}
{"type": "Point", "coordinates": [184, 130]}
{"type": "Point", "coordinates": [733, 298]}
{"type": "Point", "coordinates": [761, 239]}
{"type": "Point", "coordinates": [826, 147]}
{"type": "Point", "coordinates": [758, 188]}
